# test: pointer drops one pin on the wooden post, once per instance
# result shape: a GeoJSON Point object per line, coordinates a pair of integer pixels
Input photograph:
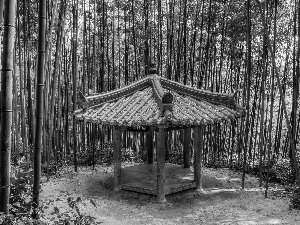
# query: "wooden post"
{"type": "Point", "coordinates": [186, 148]}
{"type": "Point", "coordinates": [117, 158]}
{"type": "Point", "coordinates": [124, 134]}
{"type": "Point", "coordinates": [150, 146]}
{"type": "Point", "coordinates": [94, 135]}
{"type": "Point", "coordinates": [198, 148]}
{"type": "Point", "coordinates": [74, 147]}
{"type": "Point", "coordinates": [160, 154]}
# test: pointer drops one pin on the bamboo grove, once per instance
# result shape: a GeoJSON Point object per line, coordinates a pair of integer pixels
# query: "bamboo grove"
{"type": "Point", "coordinates": [250, 48]}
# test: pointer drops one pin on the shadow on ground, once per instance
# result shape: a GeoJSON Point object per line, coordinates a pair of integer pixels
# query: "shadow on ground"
{"type": "Point", "coordinates": [221, 201]}
{"type": "Point", "coordinates": [213, 188]}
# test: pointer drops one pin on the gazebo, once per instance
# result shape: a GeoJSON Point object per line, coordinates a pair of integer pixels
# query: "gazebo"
{"type": "Point", "coordinates": [158, 104]}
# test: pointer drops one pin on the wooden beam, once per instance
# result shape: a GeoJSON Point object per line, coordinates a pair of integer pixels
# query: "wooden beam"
{"type": "Point", "coordinates": [142, 129]}
{"type": "Point", "coordinates": [186, 148]}
{"type": "Point", "coordinates": [160, 154]}
{"type": "Point", "coordinates": [198, 149]}
{"type": "Point", "coordinates": [117, 158]}
{"type": "Point", "coordinates": [179, 127]}
{"type": "Point", "coordinates": [150, 146]}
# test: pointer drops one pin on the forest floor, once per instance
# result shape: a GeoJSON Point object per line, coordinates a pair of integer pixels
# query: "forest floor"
{"type": "Point", "coordinates": [88, 197]}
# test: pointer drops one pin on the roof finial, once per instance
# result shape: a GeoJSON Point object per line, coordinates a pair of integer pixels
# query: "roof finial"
{"type": "Point", "coordinates": [152, 69]}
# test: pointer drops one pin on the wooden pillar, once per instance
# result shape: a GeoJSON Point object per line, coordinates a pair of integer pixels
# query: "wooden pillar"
{"type": "Point", "coordinates": [124, 133]}
{"type": "Point", "coordinates": [186, 148]}
{"type": "Point", "coordinates": [150, 146]}
{"type": "Point", "coordinates": [83, 135]}
{"type": "Point", "coordinates": [142, 145]}
{"type": "Point", "coordinates": [117, 158]}
{"type": "Point", "coordinates": [94, 129]}
{"type": "Point", "coordinates": [198, 149]}
{"type": "Point", "coordinates": [160, 155]}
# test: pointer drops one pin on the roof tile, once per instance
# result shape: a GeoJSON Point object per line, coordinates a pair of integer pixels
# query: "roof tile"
{"type": "Point", "coordinates": [140, 105]}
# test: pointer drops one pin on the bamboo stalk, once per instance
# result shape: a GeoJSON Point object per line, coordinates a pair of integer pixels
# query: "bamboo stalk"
{"type": "Point", "coordinates": [248, 84]}
{"type": "Point", "coordinates": [291, 139]}
{"type": "Point", "coordinates": [39, 106]}
{"type": "Point", "coordinates": [6, 102]}
{"type": "Point", "coordinates": [271, 107]}
{"type": "Point", "coordinates": [74, 71]}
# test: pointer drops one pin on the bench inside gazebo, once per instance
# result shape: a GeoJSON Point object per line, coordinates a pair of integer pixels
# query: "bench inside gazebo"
{"type": "Point", "coordinates": [155, 104]}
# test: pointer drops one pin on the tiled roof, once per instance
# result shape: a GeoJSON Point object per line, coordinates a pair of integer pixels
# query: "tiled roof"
{"type": "Point", "coordinates": [156, 101]}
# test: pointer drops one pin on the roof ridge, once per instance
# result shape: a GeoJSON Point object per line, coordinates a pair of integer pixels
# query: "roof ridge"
{"type": "Point", "coordinates": [88, 101]}
{"type": "Point", "coordinates": [214, 97]}
{"type": "Point", "coordinates": [163, 99]}
{"type": "Point", "coordinates": [167, 81]}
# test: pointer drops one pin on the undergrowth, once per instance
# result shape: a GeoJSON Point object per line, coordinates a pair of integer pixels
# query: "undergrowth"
{"type": "Point", "coordinates": [22, 179]}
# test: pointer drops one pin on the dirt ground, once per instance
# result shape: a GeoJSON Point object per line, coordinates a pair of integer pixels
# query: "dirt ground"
{"type": "Point", "coordinates": [89, 196]}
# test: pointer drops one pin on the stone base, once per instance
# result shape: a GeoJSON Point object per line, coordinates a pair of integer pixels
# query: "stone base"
{"type": "Point", "coordinates": [143, 178]}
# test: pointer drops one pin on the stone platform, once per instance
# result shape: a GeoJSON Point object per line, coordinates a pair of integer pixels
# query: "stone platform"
{"type": "Point", "coordinates": [143, 178]}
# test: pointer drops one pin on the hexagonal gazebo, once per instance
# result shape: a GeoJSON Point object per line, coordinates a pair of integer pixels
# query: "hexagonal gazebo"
{"type": "Point", "coordinates": [155, 103]}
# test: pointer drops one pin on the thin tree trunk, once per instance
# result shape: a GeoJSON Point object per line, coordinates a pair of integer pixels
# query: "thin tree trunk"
{"type": "Point", "coordinates": [22, 93]}
{"type": "Point", "coordinates": [248, 84]}
{"type": "Point", "coordinates": [58, 56]}
{"type": "Point", "coordinates": [84, 46]}
{"type": "Point", "coordinates": [271, 106]}
{"type": "Point", "coordinates": [102, 49]}
{"type": "Point", "coordinates": [119, 49]}
{"type": "Point", "coordinates": [1, 22]}
{"type": "Point", "coordinates": [263, 82]}
{"type": "Point", "coordinates": [74, 71]}
{"type": "Point", "coordinates": [29, 97]}
{"type": "Point", "coordinates": [291, 139]}
{"type": "Point", "coordinates": [94, 86]}
{"type": "Point", "coordinates": [296, 75]}
{"type": "Point", "coordinates": [134, 41]}
{"type": "Point", "coordinates": [185, 77]}
{"type": "Point", "coordinates": [207, 48]}
{"type": "Point", "coordinates": [16, 109]}
{"type": "Point", "coordinates": [147, 56]}
{"type": "Point", "coordinates": [113, 48]}
{"type": "Point", "coordinates": [39, 106]}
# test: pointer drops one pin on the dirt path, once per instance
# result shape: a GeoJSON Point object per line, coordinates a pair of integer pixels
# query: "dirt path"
{"type": "Point", "coordinates": [88, 196]}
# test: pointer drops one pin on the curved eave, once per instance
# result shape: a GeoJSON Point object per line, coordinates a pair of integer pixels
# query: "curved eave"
{"type": "Point", "coordinates": [141, 110]}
